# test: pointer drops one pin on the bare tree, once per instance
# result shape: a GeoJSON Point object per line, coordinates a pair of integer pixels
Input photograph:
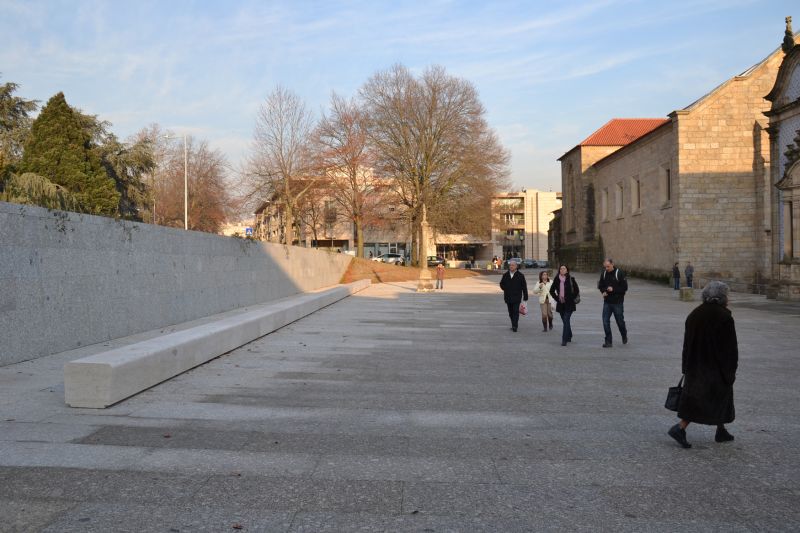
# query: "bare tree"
{"type": "Point", "coordinates": [279, 167]}
{"type": "Point", "coordinates": [431, 136]}
{"type": "Point", "coordinates": [209, 202]}
{"type": "Point", "coordinates": [343, 157]}
{"type": "Point", "coordinates": [311, 213]}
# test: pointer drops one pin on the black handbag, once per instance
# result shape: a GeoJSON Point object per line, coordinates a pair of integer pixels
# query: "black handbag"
{"type": "Point", "coordinates": [674, 396]}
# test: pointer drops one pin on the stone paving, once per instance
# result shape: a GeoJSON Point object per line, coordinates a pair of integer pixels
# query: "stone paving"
{"type": "Point", "coordinates": [398, 411]}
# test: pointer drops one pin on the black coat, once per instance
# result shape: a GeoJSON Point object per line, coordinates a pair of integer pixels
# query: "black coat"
{"type": "Point", "coordinates": [514, 289]}
{"type": "Point", "coordinates": [617, 280]}
{"type": "Point", "coordinates": [570, 292]}
{"type": "Point", "coordinates": [710, 358]}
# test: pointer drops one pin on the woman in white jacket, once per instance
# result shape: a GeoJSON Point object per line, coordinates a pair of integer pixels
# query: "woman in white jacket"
{"type": "Point", "coordinates": [542, 290]}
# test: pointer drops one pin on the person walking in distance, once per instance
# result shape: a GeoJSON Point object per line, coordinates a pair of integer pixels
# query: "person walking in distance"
{"type": "Point", "coordinates": [613, 285]}
{"type": "Point", "coordinates": [440, 276]}
{"type": "Point", "coordinates": [689, 274]}
{"type": "Point", "coordinates": [709, 362]}
{"type": "Point", "coordinates": [542, 290]}
{"type": "Point", "coordinates": [676, 276]}
{"type": "Point", "coordinates": [564, 291]}
{"type": "Point", "coordinates": [515, 291]}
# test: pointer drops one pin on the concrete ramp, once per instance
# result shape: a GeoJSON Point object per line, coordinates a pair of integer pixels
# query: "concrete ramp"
{"type": "Point", "coordinates": [104, 379]}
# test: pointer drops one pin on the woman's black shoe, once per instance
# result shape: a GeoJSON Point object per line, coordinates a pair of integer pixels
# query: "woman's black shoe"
{"type": "Point", "coordinates": [723, 435]}
{"type": "Point", "coordinates": [679, 434]}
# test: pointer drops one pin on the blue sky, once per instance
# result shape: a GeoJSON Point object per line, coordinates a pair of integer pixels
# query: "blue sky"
{"type": "Point", "coordinates": [549, 73]}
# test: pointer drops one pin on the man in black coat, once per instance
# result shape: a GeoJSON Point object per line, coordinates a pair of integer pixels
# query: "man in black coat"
{"type": "Point", "coordinates": [710, 359]}
{"type": "Point", "coordinates": [676, 277]}
{"type": "Point", "coordinates": [613, 285]}
{"type": "Point", "coordinates": [515, 290]}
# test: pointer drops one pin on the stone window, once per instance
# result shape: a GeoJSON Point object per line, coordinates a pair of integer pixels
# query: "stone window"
{"type": "Point", "coordinates": [666, 186]}
{"type": "Point", "coordinates": [788, 231]}
{"type": "Point", "coordinates": [636, 195]}
{"type": "Point", "coordinates": [330, 212]}
{"type": "Point", "coordinates": [618, 197]}
{"type": "Point", "coordinates": [604, 204]}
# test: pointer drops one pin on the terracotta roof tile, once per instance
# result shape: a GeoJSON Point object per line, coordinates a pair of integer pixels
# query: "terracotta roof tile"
{"type": "Point", "coordinates": [622, 131]}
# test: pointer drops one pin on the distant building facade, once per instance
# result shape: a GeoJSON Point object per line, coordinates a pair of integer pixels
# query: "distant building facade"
{"type": "Point", "coordinates": [386, 233]}
{"type": "Point", "coordinates": [693, 187]}
{"type": "Point", "coordinates": [520, 221]}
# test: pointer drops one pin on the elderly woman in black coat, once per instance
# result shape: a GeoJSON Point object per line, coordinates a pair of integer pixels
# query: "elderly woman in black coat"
{"type": "Point", "coordinates": [710, 358]}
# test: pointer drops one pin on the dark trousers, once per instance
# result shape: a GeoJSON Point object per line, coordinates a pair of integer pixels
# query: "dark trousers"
{"type": "Point", "coordinates": [619, 317]}
{"type": "Point", "coordinates": [677, 283]}
{"type": "Point", "coordinates": [566, 334]}
{"type": "Point", "coordinates": [689, 281]}
{"type": "Point", "coordinates": [513, 313]}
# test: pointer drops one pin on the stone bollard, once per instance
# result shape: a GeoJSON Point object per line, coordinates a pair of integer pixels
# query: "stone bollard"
{"type": "Point", "coordinates": [687, 294]}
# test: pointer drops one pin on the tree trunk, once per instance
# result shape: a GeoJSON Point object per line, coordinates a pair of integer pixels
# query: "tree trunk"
{"type": "Point", "coordinates": [288, 224]}
{"type": "Point", "coordinates": [359, 237]}
{"type": "Point", "coordinates": [414, 241]}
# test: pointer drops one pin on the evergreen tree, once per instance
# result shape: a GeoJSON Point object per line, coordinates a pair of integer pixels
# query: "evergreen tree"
{"type": "Point", "coordinates": [61, 149]}
{"type": "Point", "coordinates": [15, 124]}
{"type": "Point", "coordinates": [126, 163]}
{"type": "Point", "coordinates": [36, 190]}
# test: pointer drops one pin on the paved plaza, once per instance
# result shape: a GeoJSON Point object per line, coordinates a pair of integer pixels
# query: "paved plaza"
{"type": "Point", "coordinates": [398, 411]}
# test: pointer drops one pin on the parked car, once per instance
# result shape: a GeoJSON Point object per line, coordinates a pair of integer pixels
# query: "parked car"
{"type": "Point", "coordinates": [529, 263]}
{"type": "Point", "coordinates": [392, 259]}
{"type": "Point", "coordinates": [517, 259]}
{"type": "Point", "coordinates": [435, 260]}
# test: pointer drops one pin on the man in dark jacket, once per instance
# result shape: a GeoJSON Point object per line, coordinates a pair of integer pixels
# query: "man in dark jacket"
{"type": "Point", "coordinates": [689, 274]}
{"type": "Point", "coordinates": [676, 277]}
{"type": "Point", "coordinates": [710, 359]}
{"type": "Point", "coordinates": [515, 290]}
{"type": "Point", "coordinates": [613, 285]}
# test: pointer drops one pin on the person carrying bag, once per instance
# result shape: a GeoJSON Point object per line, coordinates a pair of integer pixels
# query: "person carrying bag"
{"type": "Point", "coordinates": [515, 291]}
{"type": "Point", "coordinates": [566, 293]}
{"type": "Point", "coordinates": [542, 290]}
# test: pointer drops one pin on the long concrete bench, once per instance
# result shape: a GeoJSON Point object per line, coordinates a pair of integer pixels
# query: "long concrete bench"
{"type": "Point", "coordinates": [106, 378]}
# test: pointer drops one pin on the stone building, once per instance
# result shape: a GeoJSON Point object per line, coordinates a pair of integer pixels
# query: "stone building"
{"type": "Point", "coordinates": [554, 237]}
{"type": "Point", "coordinates": [579, 243]}
{"type": "Point", "coordinates": [692, 187]}
{"type": "Point", "coordinates": [784, 137]}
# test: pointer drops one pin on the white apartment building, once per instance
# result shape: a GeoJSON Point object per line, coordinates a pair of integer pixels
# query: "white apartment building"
{"type": "Point", "coordinates": [520, 222]}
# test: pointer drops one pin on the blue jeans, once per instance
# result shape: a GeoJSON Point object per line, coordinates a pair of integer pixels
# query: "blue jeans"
{"type": "Point", "coordinates": [619, 317]}
{"type": "Point", "coordinates": [440, 284]}
{"type": "Point", "coordinates": [566, 334]}
{"type": "Point", "coordinates": [677, 283]}
{"type": "Point", "coordinates": [689, 281]}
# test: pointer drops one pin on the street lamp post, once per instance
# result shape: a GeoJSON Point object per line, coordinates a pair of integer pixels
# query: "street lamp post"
{"type": "Point", "coordinates": [185, 184]}
{"type": "Point", "coordinates": [185, 180]}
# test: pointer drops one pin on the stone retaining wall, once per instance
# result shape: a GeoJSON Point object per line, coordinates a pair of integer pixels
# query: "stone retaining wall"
{"type": "Point", "coordinates": [68, 280]}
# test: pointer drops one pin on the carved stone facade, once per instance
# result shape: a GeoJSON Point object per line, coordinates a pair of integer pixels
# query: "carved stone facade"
{"type": "Point", "coordinates": [695, 188]}
{"type": "Point", "coordinates": [784, 134]}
